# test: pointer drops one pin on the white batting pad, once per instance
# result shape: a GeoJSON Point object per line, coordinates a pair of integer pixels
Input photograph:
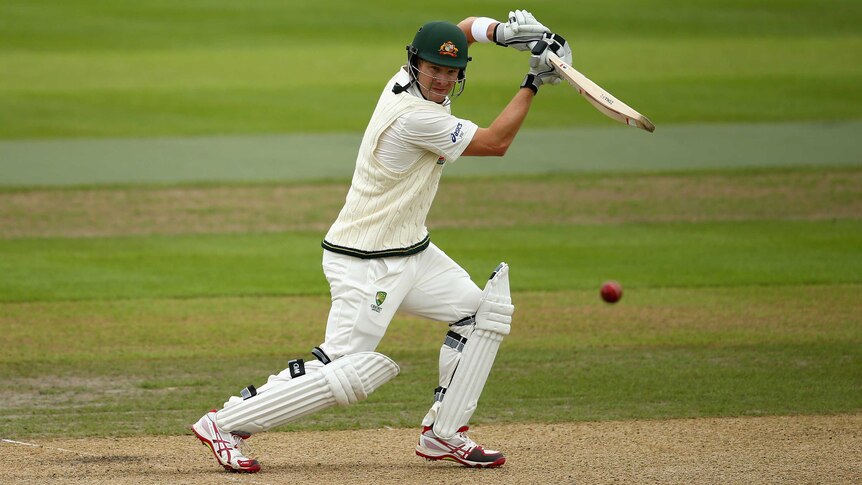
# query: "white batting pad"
{"type": "Point", "coordinates": [346, 380]}
{"type": "Point", "coordinates": [493, 322]}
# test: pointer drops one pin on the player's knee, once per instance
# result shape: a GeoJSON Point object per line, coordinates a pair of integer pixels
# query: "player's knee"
{"type": "Point", "coordinates": [343, 381]}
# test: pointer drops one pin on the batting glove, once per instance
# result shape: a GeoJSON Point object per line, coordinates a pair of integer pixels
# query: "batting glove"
{"type": "Point", "coordinates": [560, 47]}
{"type": "Point", "coordinates": [541, 70]}
{"type": "Point", "coordinates": [520, 31]}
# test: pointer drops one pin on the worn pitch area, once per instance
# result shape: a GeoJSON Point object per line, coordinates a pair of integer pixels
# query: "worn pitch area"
{"type": "Point", "coordinates": [793, 449]}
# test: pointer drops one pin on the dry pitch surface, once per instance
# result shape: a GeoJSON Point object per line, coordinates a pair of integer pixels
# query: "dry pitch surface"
{"type": "Point", "coordinates": [785, 450]}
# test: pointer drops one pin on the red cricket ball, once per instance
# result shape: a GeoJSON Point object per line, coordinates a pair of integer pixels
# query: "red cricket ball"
{"type": "Point", "coordinates": [611, 291]}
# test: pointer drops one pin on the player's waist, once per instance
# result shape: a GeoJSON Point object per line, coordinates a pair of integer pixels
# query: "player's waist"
{"type": "Point", "coordinates": [378, 253]}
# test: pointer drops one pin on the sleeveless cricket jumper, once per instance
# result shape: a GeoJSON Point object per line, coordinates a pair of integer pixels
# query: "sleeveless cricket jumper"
{"type": "Point", "coordinates": [378, 256]}
{"type": "Point", "coordinates": [384, 214]}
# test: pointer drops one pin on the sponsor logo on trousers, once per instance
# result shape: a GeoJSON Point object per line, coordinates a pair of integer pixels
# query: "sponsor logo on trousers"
{"type": "Point", "coordinates": [379, 298]}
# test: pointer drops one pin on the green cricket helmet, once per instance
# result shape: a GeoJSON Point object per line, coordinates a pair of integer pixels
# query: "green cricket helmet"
{"type": "Point", "coordinates": [441, 43]}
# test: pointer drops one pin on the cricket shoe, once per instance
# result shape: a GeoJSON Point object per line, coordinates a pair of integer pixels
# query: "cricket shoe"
{"type": "Point", "coordinates": [459, 448]}
{"type": "Point", "coordinates": [225, 446]}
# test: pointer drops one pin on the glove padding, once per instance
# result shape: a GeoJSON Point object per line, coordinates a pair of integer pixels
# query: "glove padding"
{"type": "Point", "coordinates": [559, 46]}
{"type": "Point", "coordinates": [520, 31]}
{"type": "Point", "coordinates": [541, 69]}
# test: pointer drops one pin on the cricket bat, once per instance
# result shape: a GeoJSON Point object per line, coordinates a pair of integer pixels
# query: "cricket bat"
{"type": "Point", "coordinates": [599, 98]}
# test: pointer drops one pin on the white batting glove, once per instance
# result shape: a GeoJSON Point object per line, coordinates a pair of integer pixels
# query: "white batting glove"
{"type": "Point", "coordinates": [521, 29]}
{"type": "Point", "coordinates": [560, 47]}
{"type": "Point", "coordinates": [541, 69]}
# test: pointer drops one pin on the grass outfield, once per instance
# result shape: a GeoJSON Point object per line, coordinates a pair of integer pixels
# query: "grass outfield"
{"type": "Point", "coordinates": [149, 366]}
{"type": "Point", "coordinates": [741, 299]}
{"type": "Point", "coordinates": [164, 196]}
{"type": "Point", "coordinates": [544, 258]}
{"type": "Point", "coordinates": [214, 67]}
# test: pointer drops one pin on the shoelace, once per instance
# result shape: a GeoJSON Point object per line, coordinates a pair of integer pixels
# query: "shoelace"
{"type": "Point", "coordinates": [240, 444]}
{"type": "Point", "coordinates": [468, 443]}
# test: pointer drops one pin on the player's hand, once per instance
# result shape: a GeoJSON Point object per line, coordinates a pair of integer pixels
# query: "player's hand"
{"type": "Point", "coordinates": [560, 47]}
{"type": "Point", "coordinates": [520, 31]}
{"type": "Point", "coordinates": [541, 69]}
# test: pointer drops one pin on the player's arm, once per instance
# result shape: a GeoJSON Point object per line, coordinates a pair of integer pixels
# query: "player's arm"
{"type": "Point", "coordinates": [485, 28]}
{"type": "Point", "coordinates": [519, 31]}
{"type": "Point", "coordinates": [496, 139]}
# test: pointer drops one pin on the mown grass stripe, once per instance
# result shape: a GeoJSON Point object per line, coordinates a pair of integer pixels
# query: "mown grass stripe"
{"type": "Point", "coordinates": [542, 258]}
{"type": "Point", "coordinates": [331, 156]}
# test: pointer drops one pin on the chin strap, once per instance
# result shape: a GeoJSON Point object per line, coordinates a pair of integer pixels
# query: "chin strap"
{"type": "Point", "coordinates": [398, 89]}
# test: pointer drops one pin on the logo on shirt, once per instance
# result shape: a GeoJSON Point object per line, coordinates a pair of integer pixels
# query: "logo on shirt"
{"type": "Point", "coordinates": [457, 133]}
{"type": "Point", "coordinates": [448, 49]}
{"type": "Point", "coordinates": [378, 301]}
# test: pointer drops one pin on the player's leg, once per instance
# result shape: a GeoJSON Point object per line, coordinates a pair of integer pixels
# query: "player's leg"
{"type": "Point", "coordinates": [447, 293]}
{"type": "Point", "coordinates": [444, 292]}
{"type": "Point", "coordinates": [344, 381]}
{"type": "Point", "coordinates": [365, 295]}
{"type": "Point", "coordinates": [492, 323]}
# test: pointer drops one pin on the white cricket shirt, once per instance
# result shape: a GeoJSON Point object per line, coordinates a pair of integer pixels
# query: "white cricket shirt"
{"type": "Point", "coordinates": [405, 147]}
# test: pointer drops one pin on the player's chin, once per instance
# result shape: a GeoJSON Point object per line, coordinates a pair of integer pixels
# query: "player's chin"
{"type": "Point", "coordinates": [438, 96]}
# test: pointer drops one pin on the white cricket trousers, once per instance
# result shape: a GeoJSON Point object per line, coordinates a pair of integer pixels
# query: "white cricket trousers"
{"type": "Point", "coordinates": [366, 293]}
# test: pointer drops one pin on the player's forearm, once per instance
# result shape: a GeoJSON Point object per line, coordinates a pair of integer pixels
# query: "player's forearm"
{"type": "Point", "coordinates": [496, 139]}
{"type": "Point", "coordinates": [509, 121]}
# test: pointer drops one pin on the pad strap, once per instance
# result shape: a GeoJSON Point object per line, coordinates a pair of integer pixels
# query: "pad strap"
{"type": "Point", "coordinates": [455, 341]}
{"type": "Point", "coordinates": [248, 392]}
{"type": "Point", "coordinates": [321, 355]}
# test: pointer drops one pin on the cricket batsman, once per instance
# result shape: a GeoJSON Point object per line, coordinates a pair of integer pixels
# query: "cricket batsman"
{"type": "Point", "coordinates": [378, 256]}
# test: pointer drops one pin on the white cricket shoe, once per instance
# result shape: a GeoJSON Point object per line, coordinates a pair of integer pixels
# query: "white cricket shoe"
{"type": "Point", "coordinates": [458, 448]}
{"type": "Point", "coordinates": [225, 446]}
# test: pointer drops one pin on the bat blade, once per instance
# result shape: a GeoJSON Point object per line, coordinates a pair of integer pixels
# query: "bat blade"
{"type": "Point", "coordinates": [602, 100]}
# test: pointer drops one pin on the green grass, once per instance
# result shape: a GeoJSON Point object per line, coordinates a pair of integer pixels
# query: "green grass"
{"type": "Point", "coordinates": [131, 309]}
{"type": "Point", "coordinates": [131, 335]}
{"type": "Point", "coordinates": [90, 24]}
{"type": "Point", "coordinates": [542, 258]}
{"type": "Point", "coordinates": [122, 367]}
{"type": "Point", "coordinates": [741, 298]}
{"type": "Point", "coordinates": [214, 67]}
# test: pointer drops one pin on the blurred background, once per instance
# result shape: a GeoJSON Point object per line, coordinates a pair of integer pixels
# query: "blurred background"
{"type": "Point", "coordinates": [156, 91]}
